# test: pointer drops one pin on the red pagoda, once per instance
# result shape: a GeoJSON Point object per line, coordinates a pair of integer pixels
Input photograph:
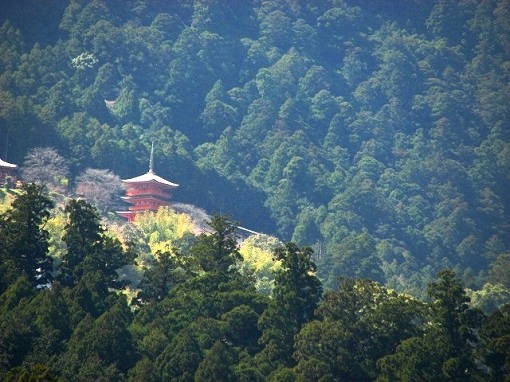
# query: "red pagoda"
{"type": "Point", "coordinates": [6, 170]}
{"type": "Point", "coordinates": [146, 192]}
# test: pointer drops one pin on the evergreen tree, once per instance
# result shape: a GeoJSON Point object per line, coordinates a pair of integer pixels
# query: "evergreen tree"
{"type": "Point", "coordinates": [446, 351]}
{"type": "Point", "coordinates": [83, 237]}
{"type": "Point", "coordinates": [496, 349]}
{"type": "Point", "coordinates": [52, 324]}
{"type": "Point", "coordinates": [296, 294]}
{"type": "Point", "coordinates": [459, 322]}
{"type": "Point", "coordinates": [32, 373]}
{"type": "Point", "coordinates": [100, 348]}
{"type": "Point", "coordinates": [160, 277]}
{"type": "Point", "coordinates": [17, 331]}
{"type": "Point", "coordinates": [89, 248]}
{"type": "Point", "coordinates": [23, 240]}
{"type": "Point", "coordinates": [381, 131]}
{"type": "Point", "coordinates": [218, 251]}
{"type": "Point", "coordinates": [217, 365]}
{"type": "Point", "coordinates": [355, 325]}
{"type": "Point", "coordinates": [180, 359]}
{"type": "Point", "coordinates": [143, 371]}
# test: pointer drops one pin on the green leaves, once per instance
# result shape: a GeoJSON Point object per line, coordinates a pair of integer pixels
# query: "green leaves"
{"type": "Point", "coordinates": [286, 106]}
{"type": "Point", "coordinates": [180, 358]}
{"type": "Point", "coordinates": [24, 248]}
{"type": "Point", "coordinates": [380, 132]}
{"type": "Point", "coordinates": [356, 325]}
{"type": "Point", "coordinates": [92, 256]}
{"type": "Point", "coordinates": [446, 350]}
{"type": "Point", "coordinates": [163, 274]}
{"type": "Point", "coordinates": [218, 252]}
{"type": "Point", "coordinates": [217, 365]}
{"type": "Point", "coordinates": [203, 319]}
{"type": "Point", "coordinates": [296, 294]}
{"type": "Point", "coordinates": [100, 348]}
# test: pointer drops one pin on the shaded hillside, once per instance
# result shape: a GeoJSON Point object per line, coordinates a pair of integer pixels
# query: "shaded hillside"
{"type": "Point", "coordinates": [377, 130]}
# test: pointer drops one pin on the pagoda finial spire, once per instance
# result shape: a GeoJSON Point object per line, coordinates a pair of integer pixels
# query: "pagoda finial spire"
{"type": "Point", "coordinates": [151, 160]}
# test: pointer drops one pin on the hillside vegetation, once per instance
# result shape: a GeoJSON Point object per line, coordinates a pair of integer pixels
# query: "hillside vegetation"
{"type": "Point", "coordinates": [198, 314]}
{"type": "Point", "coordinates": [377, 131]}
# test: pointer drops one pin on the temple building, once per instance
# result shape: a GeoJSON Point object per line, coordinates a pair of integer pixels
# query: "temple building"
{"type": "Point", "coordinates": [146, 192]}
{"type": "Point", "coordinates": [6, 171]}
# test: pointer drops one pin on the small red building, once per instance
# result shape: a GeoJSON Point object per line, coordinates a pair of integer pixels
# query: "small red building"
{"type": "Point", "coordinates": [6, 170]}
{"type": "Point", "coordinates": [146, 192]}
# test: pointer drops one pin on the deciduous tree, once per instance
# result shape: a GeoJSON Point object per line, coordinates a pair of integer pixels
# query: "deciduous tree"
{"type": "Point", "coordinates": [45, 166]}
{"type": "Point", "coordinates": [101, 188]}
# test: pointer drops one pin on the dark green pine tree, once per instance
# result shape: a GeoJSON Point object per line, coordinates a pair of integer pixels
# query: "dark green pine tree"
{"type": "Point", "coordinates": [213, 278]}
{"type": "Point", "coordinates": [354, 326]}
{"type": "Point", "coordinates": [23, 241]}
{"type": "Point", "coordinates": [52, 323]}
{"type": "Point", "coordinates": [82, 238]}
{"type": "Point", "coordinates": [218, 252]}
{"type": "Point", "coordinates": [143, 371]}
{"type": "Point", "coordinates": [218, 364]}
{"type": "Point", "coordinates": [100, 349]}
{"type": "Point", "coordinates": [460, 324]}
{"type": "Point", "coordinates": [446, 351]}
{"type": "Point", "coordinates": [89, 249]}
{"type": "Point", "coordinates": [180, 359]}
{"type": "Point", "coordinates": [161, 276]}
{"type": "Point", "coordinates": [17, 329]}
{"type": "Point", "coordinates": [496, 349]}
{"type": "Point", "coordinates": [296, 294]}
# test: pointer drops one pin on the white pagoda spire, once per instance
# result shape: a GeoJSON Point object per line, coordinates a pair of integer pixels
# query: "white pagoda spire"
{"type": "Point", "coordinates": [151, 160]}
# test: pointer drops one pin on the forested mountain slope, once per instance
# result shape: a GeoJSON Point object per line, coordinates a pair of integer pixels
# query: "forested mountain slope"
{"type": "Point", "coordinates": [378, 131]}
{"type": "Point", "coordinates": [197, 314]}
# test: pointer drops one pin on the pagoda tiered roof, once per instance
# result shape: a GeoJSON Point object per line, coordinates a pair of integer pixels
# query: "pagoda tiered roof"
{"type": "Point", "coordinates": [150, 177]}
{"type": "Point", "coordinates": [146, 192]}
{"type": "Point", "coordinates": [7, 164]}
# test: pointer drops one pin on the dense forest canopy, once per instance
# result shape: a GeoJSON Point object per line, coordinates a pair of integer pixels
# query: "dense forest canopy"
{"type": "Point", "coordinates": [197, 313]}
{"type": "Point", "coordinates": [375, 131]}
{"type": "Point", "coordinates": [372, 137]}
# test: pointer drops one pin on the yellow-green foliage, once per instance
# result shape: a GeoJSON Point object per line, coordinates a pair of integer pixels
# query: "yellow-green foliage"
{"type": "Point", "coordinates": [55, 226]}
{"type": "Point", "coordinates": [164, 228]}
{"type": "Point", "coordinates": [4, 204]}
{"type": "Point", "coordinates": [7, 196]}
{"type": "Point", "coordinates": [257, 252]}
{"type": "Point", "coordinates": [489, 298]}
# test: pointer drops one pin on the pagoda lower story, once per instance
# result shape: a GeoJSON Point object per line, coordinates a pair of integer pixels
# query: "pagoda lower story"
{"type": "Point", "coordinates": [141, 204]}
{"type": "Point", "coordinates": [147, 192]}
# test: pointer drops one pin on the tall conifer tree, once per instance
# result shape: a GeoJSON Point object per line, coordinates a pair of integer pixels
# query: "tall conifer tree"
{"type": "Point", "coordinates": [23, 240]}
{"type": "Point", "coordinates": [296, 295]}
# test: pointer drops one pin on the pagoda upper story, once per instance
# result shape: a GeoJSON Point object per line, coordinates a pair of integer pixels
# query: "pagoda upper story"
{"type": "Point", "coordinates": [147, 192]}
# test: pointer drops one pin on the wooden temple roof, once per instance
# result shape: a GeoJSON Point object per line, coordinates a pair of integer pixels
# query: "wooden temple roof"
{"type": "Point", "coordinates": [150, 177]}
{"type": "Point", "coordinates": [5, 164]}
